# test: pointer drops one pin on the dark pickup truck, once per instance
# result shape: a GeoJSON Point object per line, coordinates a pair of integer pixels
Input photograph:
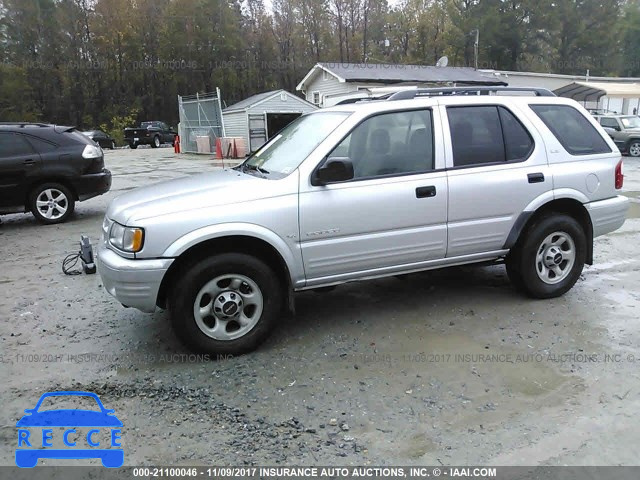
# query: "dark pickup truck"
{"type": "Point", "coordinates": [149, 133]}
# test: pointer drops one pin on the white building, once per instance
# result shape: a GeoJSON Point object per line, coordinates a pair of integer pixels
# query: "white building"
{"type": "Point", "coordinates": [328, 83]}
{"type": "Point", "coordinates": [616, 94]}
{"type": "Point", "coordinates": [261, 116]}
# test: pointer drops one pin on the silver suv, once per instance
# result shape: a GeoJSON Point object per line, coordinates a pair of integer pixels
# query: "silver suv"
{"type": "Point", "coordinates": [417, 181]}
{"type": "Point", "coordinates": [625, 131]}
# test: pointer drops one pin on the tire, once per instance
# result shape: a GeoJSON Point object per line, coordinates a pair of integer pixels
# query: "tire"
{"type": "Point", "coordinates": [133, 146]}
{"type": "Point", "coordinates": [634, 148]}
{"type": "Point", "coordinates": [51, 203]}
{"type": "Point", "coordinates": [156, 142]}
{"type": "Point", "coordinates": [241, 289]}
{"type": "Point", "coordinates": [550, 258]}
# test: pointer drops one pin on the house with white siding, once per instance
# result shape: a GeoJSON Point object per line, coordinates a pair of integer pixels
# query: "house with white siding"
{"type": "Point", "coordinates": [328, 83]}
{"type": "Point", "coordinates": [261, 116]}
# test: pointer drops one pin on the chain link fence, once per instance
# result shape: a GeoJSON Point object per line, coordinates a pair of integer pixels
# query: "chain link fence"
{"type": "Point", "coordinates": [200, 122]}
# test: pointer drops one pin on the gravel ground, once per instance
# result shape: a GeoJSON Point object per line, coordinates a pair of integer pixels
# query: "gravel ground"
{"type": "Point", "coordinates": [446, 367]}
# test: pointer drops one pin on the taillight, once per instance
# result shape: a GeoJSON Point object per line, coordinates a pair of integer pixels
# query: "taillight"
{"type": "Point", "coordinates": [619, 176]}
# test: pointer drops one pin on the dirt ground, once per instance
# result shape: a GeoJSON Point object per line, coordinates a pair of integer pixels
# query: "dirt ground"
{"type": "Point", "coordinates": [450, 367]}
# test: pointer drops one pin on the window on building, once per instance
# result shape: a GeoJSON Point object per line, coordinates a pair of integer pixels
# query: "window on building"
{"type": "Point", "coordinates": [391, 143]}
{"type": "Point", "coordinates": [572, 129]}
{"type": "Point", "coordinates": [315, 98]}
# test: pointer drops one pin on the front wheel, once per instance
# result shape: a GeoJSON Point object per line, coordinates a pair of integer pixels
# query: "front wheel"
{"type": "Point", "coordinates": [156, 142]}
{"type": "Point", "coordinates": [226, 304]}
{"type": "Point", "coordinates": [634, 148]}
{"type": "Point", "coordinates": [551, 258]}
{"type": "Point", "coordinates": [51, 203]}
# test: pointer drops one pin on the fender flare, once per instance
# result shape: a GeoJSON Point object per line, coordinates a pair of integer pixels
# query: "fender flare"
{"type": "Point", "coordinates": [212, 232]}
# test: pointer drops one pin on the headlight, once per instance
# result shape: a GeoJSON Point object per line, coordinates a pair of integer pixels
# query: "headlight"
{"type": "Point", "coordinates": [91, 151]}
{"type": "Point", "coordinates": [129, 239]}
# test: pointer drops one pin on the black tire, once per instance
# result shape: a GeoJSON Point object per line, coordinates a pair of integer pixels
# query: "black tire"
{"type": "Point", "coordinates": [634, 148]}
{"type": "Point", "coordinates": [194, 278]}
{"type": "Point", "coordinates": [60, 195]}
{"type": "Point", "coordinates": [156, 142]}
{"type": "Point", "coordinates": [133, 146]}
{"type": "Point", "coordinates": [523, 262]}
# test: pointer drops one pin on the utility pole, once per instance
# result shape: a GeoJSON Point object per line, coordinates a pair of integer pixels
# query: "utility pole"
{"type": "Point", "coordinates": [475, 46]}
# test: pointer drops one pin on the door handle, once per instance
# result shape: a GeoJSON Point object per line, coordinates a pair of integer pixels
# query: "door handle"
{"type": "Point", "coordinates": [536, 177]}
{"type": "Point", "coordinates": [425, 192]}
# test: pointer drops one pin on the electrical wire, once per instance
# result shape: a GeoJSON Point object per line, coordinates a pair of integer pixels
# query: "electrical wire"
{"type": "Point", "coordinates": [69, 262]}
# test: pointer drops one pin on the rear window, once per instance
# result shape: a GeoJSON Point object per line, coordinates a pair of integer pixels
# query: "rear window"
{"type": "Point", "coordinates": [573, 131]}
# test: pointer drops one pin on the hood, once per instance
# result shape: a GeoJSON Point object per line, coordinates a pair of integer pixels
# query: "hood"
{"type": "Point", "coordinates": [221, 187]}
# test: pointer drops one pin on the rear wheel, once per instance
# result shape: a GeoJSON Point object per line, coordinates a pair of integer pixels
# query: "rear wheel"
{"type": "Point", "coordinates": [551, 257]}
{"type": "Point", "coordinates": [226, 304]}
{"type": "Point", "coordinates": [51, 203]}
{"type": "Point", "coordinates": [634, 148]}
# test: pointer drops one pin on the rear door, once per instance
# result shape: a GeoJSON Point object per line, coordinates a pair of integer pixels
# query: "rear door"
{"type": "Point", "coordinates": [19, 164]}
{"type": "Point", "coordinates": [496, 166]}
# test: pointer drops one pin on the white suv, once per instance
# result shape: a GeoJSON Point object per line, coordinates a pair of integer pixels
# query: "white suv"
{"type": "Point", "coordinates": [371, 189]}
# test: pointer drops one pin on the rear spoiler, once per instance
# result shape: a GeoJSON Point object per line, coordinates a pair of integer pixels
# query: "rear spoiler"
{"type": "Point", "coordinates": [63, 129]}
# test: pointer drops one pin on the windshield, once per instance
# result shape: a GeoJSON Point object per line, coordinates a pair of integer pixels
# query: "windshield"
{"type": "Point", "coordinates": [283, 153]}
{"type": "Point", "coordinates": [630, 122]}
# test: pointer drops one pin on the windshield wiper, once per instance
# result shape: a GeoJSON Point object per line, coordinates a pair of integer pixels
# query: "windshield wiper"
{"type": "Point", "coordinates": [254, 168]}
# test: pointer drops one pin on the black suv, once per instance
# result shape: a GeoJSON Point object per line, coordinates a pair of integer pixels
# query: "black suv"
{"type": "Point", "coordinates": [47, 168]}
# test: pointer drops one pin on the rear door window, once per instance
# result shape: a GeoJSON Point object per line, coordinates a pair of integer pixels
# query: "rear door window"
{"type": "Point", "coordinates": [518, 143]}
{"type": "Point", "coordinates": [572, 129]}
{"type": "Point", "coordinates": [13, 144]}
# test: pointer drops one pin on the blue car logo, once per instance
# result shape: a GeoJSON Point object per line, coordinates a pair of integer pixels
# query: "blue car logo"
{"type": "Point", "coordinates": [31, 447]}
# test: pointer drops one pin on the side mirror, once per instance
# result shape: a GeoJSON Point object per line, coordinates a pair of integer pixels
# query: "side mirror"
{"type": "Point", "coordinates": [335, 169]}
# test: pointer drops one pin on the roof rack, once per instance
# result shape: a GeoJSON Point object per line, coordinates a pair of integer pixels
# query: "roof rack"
{"type": "Point", "coordinates": [484, 90]}
{"type": "Point", "coordinates": [25, 124]}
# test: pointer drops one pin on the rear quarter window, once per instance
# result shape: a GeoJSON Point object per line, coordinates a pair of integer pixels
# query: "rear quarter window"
{"type": "Point", "coordinates": [572, 129]}
{"type": "Point", "coordinates": [40, 145]}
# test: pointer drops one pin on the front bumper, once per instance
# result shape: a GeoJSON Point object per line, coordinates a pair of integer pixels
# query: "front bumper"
{"type": "Point", "coordinates": [607, 215]}
{"type": "Point", "coordinates": [92, 185]}
{"type": "Point", "coordinates": [134, 283]}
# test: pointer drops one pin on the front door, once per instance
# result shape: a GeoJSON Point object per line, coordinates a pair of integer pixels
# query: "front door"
{"type": "Point", "coordinates": [391, 216]}
{"type": "Point", "coordinates": [257, 131]}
